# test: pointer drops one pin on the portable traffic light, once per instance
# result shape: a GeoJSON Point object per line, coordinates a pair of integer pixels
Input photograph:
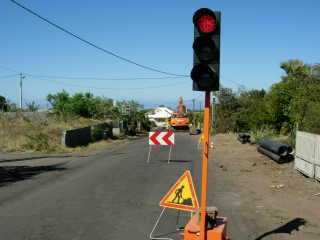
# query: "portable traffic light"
{"type": "Point", "coordinates": [206, 50]}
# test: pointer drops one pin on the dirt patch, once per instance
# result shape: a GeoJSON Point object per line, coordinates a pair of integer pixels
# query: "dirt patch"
{"type": "Point", "coordinates": [284, 199]}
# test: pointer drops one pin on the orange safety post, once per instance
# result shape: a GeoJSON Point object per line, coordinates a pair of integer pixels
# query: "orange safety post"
{"type": "Point", "coordinates": [205, 156]}
{"type": "Point", "coordinates": [196, 230]}
{"type": "Point", "coordinates": [218, 232]}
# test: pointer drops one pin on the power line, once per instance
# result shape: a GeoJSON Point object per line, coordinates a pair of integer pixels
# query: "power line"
{"type": "Point", "coordinates": [8, 76]}
{"type": "Point", "coordinates": [32, 75]}
{"type": "Point", "coordinates": [104, 79]}
{"type": "Point", "coordinates": [241, 85]}
{"type": "Point", "coordinates": [9, 69]}
{"type": "Point", "coordinates": [91, 43]}
{"type": "Point", "coordinates": [118, 89]}
{"type": "Point", "coordinates": [234, 82]}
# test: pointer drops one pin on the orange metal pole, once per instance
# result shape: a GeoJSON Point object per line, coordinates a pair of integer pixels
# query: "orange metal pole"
{"type": "Point", "coordinates": [205, 156]}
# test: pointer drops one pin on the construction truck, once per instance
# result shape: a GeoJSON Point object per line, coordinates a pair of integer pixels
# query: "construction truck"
{"type": "Point", "coordinates": [179, 120]}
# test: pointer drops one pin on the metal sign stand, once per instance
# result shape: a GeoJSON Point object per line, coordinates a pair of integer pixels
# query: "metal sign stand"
{"type": "Point", "coordinates": [157, 223]}
{"type": "Point", "coordinates": [169, 158]}
{"type": "Point", "coordinates": [199, 143]}
{"type": "Point", "coordinates": [150, 147]}
{"type": "Point", "coordinates": [149, 154]}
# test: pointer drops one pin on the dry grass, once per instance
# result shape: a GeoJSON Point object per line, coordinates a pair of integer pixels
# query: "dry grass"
{"type": "Point", "coordinates": [20, 134]}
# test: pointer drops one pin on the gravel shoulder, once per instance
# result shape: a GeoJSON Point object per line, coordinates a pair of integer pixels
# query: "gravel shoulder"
{"type": "Point", "coordinates": [268, 200]}
{"type": "Point", "coordinates": [34, 158]}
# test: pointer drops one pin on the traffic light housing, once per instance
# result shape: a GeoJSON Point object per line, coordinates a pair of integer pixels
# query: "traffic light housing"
{"type": "Point", "coordinates": [206, 50]}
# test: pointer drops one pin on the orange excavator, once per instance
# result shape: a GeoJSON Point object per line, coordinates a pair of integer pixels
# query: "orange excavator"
{"type": "Point", "coordinates": [179, 120]}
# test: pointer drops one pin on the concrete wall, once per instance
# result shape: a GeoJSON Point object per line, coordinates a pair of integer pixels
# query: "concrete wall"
{"type": "Point", "coordinates": [83, 136]}
{"type": "Point", "coordinates": [76, 137]}
{"type": "Point", "coordinates": [307, 154]}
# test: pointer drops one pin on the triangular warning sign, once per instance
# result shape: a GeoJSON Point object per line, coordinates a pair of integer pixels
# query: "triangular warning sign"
{"type": "Point", "coordinates": [181, 195]}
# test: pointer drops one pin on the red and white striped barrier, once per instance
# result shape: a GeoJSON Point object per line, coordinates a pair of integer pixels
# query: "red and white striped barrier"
{"type": "Point", "coordinates": [161, 138]}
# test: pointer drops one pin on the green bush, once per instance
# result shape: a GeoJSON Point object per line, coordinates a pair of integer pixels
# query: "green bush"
{"type": "Point", "coordinates": [97, 133]}
{"type": "Point", "coordinates": [292, 103]}
{"type": "Point", "coordinates": [80, 104]}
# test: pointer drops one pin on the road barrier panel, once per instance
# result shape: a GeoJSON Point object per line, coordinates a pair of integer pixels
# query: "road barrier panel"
{"type": "Point", "coordinates": [161, 139]}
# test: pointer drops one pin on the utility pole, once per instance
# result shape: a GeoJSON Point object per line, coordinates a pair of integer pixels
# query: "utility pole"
{"type": "Point", "coordinates": [193, 114]}
{"type": "Point", "coordinates": [213, 111]}
{"type": "Point", "coordinates": [200, 111]}
{"type": "Point", "coordinates": [21, 78]}
{"type": "Point", "coordinates": [193, 103]}
{"type": "Point", "coordinates": [213, 119]}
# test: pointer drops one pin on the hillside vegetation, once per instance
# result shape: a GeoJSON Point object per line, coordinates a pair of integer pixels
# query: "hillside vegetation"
{"type": "Point", "coordinates": [292, 103]}
{"type": "Point", "coordinates": [43, 134]}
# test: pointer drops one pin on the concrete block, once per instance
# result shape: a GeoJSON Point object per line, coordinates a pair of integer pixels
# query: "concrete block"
{"type": "Point", "coordinates": [116, 132]}
{"type": "Point", "coordinates": [304, 167]}
{"type": "Point", "coordinates": [76, 137]}
{"type": "Point", "coordinates": [317, 172]}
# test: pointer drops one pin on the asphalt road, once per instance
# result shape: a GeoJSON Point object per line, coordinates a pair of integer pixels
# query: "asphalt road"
{"type": "Point", "coordinates": [111, 195]}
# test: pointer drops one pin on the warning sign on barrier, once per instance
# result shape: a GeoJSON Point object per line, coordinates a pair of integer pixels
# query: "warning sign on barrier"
{"type": "Point", "coordinates": [181, 195]}
{"type": "Point", "coordinates": [161, 138]}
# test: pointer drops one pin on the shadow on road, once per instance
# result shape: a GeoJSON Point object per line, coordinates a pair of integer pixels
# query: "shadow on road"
{"type": "Point", "coordinates": [13, 174]}
{"type": "Point", "coordinates": [38, 157]}
{"type": "Point", "coordinates": [287, 228]}
{"type": "Point", "coordinates": [176, 161]}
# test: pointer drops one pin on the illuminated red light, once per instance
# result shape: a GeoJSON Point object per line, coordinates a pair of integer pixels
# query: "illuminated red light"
{"type": "Point", "coordinates": [206, 24]}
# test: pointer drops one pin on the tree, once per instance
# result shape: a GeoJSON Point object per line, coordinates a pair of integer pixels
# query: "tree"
{"type": "Point", "coordinates": [227, 110]}
{"type": "Point", "coordinates": [252, 113]}
{"type": "Point", "coordinates": [60, 103]}
{"type": "Point", "coordinates": [32, 106]}
{"type": "Point", "coordinates": [132, 113]}
{"type": "Point", "coordinates": [291, 101]}
{"type": "Point", "coordinates": [3, 104]}
{"type": "Point", "coordinates": [84, 105]}
{"type": "Point", "coordinates": [89, 106]}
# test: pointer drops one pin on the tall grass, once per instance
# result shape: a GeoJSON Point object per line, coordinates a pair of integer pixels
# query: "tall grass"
{"type": "Point", "coordinates": [261, 133]}
{"type": "Point", "coordinates": [43, 135]}
{"type": "Point", "coordinates": [269, 133]}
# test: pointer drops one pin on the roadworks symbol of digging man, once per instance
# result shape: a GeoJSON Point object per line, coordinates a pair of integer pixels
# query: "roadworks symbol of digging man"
{"type": "Point", "coordinates": [181, 195]}
{"type": "Point", "coordinates": [178, 198]}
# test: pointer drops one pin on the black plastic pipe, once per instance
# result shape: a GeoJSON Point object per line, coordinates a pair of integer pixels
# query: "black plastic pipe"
{"type": "Point", "coordinates": [277, 148]}
{"type": "Point", "coordinates": [270, 154]}
{"type": "Point", "coordinates": [244, 137]}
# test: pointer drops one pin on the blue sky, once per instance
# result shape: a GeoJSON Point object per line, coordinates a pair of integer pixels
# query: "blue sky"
{"type": "Point", "coordinates": [256, 37]}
